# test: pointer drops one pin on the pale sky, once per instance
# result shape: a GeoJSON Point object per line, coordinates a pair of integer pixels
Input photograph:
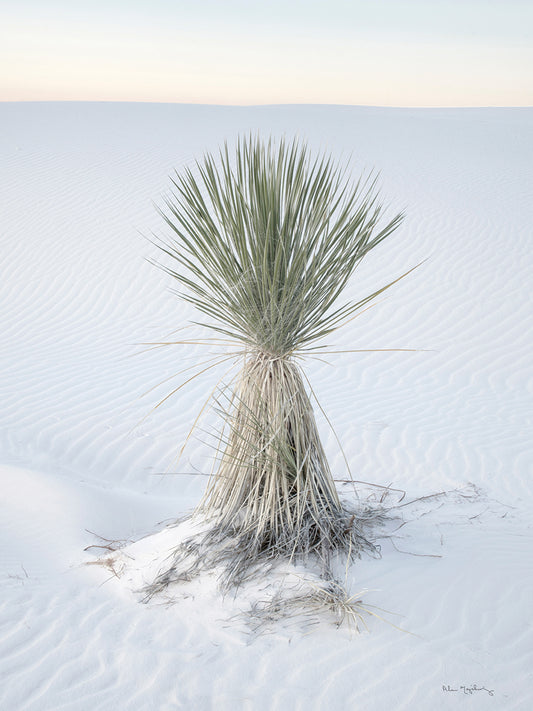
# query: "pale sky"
{"type": "Point", "coordinates": [369, 52]}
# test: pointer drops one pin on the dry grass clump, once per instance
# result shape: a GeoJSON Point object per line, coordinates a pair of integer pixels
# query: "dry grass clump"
{"type": "Point", "coordinates": [263, 243]}
{"type": "Point", "coordinates": [309, 603]}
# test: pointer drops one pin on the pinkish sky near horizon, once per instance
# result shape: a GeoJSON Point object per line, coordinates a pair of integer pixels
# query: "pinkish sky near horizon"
{"type": "Point", "coordinates": [241, 52]}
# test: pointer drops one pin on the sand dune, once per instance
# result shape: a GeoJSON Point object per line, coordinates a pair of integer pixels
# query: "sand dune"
{"type": "Point", "coordinates": [81, 454]}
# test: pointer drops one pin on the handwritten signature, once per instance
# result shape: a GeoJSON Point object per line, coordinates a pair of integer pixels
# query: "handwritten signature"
{"type": "Point", "coordinates": [468, 690]}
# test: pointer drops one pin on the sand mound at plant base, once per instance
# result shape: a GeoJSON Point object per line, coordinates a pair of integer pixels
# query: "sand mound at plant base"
{"type": "Point", "coordinates": [278, 594]}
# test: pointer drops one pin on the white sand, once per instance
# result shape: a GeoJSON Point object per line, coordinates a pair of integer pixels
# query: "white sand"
{"type": "Point", "coordinates": [75, 298]}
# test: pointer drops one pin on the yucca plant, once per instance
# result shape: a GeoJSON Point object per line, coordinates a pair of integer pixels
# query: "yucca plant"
{"type": "Point", "coordinates": [263, 242]}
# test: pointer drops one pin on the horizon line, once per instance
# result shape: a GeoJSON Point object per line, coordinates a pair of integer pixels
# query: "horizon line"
{"type": "Point", "coordinates": [265, 105]}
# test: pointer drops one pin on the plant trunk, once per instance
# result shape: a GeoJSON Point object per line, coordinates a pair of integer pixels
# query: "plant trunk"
{"type": "Point", "coordinates": [273, 484]}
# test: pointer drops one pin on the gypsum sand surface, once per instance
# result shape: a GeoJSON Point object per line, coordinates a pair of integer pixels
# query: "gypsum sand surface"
{"type": "Point", "coordinates": [74, 636]}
